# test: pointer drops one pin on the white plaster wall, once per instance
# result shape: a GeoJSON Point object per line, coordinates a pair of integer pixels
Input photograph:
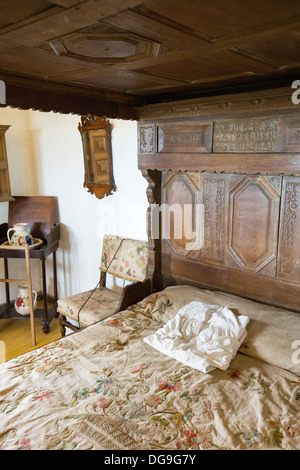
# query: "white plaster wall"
{"type": "Point", "coordinates": [22, 181]}
{"type": "Point", "coordinates": [50, 156]}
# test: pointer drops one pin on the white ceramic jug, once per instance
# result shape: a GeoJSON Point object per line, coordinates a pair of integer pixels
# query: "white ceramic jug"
{"type": "Point", "coordinates": [22, 301]}
{"type": "Point", "coordinates": [20, 236]}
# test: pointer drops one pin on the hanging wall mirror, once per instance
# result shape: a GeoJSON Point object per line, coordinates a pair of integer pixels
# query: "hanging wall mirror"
{"type": "Point", "coordinates": [97, 152]}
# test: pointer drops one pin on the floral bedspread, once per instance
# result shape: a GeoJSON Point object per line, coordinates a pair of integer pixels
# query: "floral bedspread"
{"type": "Point", "coordinates": [105, 388]}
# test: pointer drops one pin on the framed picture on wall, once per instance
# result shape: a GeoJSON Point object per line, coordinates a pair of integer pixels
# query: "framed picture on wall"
{"type": "Point", "coordinates": [97, 152]}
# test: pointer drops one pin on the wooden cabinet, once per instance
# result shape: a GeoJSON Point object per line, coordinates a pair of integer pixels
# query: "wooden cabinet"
{"type": "Point", "coordinates": [5, 194]}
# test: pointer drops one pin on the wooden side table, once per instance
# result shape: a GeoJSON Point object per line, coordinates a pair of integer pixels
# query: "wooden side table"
{"type": "Point", "coordinates": [29, 210]}
{"type": "Point", "coordinates": [27, 281]}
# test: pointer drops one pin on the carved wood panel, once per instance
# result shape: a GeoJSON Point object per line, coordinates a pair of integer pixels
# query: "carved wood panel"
{"type": "Point", "coordinates": [215, 201]}
{"type": "Point", "coordinates": [290, 135]}
{"type": "Point", "coordinates": [251, 235]}
{"type": "Point", "coordinates": [289, 246]}
{"type": "Point", "coordinates": [147, 139]}
{"type": "Point", "coordinates": [252, 135]}
{"type": "Point", "coordinates": [180, 194]}
{"type": "Point", "coordinates": [249, 185]}
{"type": "Point", "coordinates": [184, 137]}
{"type": "Point", "coordinates": [253, 222]}
{"type": "Point", "coordinates": [241, 218]}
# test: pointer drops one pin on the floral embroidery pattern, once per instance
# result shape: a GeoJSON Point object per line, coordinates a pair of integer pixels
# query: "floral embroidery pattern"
{"type": "Point", "coordinates": [250, 380]}
{"type": "Point", "coordinates": [105, 383]}
{"type": "Point", "coordinates": [127, 259]}
{"type": "Point", "coordinates": [251, 436]}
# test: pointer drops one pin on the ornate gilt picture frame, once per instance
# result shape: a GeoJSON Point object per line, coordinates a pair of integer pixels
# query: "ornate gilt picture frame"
{"type": "Point", "coordinates": [97, 152]}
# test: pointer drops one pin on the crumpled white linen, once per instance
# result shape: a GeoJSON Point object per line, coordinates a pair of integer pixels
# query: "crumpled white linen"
{"type": "Point", "coordinates": [201, 336]}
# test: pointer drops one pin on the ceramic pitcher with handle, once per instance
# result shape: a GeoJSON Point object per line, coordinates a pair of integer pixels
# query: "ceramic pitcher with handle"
{"type": "Point", "coordinates": [22, 305]}
{"type": "Point", "coordinates": [20, 236]}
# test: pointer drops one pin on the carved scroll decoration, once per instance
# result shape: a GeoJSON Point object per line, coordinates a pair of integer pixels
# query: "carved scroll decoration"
{"type": "Point", "coordinates": [289, 254]}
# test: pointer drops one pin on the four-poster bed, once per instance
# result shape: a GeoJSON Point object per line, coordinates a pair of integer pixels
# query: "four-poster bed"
{"type": "Point", "coordinates": [104, 387]}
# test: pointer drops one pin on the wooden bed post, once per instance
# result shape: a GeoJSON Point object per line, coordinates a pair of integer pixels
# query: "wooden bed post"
{"type": "Point", "coordinates": [153, 192]}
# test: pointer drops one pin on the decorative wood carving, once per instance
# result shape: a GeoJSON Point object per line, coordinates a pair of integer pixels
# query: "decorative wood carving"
{"type": "Point", "coordinates": [154, 272]}
{"type": "Point", "coordinates": [95, 46]}
{"type": "Point", "coordinates": [184, 138]}
{"type": "Point", "coordinates": [251, 198]}
{"type": "Point", "coordinates": [267, 146]}
{"type": "Point", "coordinates": [289, 246]}
{"type": "Point", "coordinates": [275, 182]}
{"type": "Point", "coordinates": [276, 102]}
{"type": "Point", "coordinates": [147, 139]}
{"type": "Point", "coordinates": [243, 136]}
{"type": "Point", "coordinates": [253, 221]}
{"type": "Point", "coordinates": [215, 200]}
{"type": "Point", "coordinates": [290, 135]}
{"type": "Point", "coordinates": [179, 190]}
{"type": "Point", "coordinates": [96, 140]}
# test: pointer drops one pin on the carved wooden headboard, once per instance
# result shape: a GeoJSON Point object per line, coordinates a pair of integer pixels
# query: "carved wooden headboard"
{"type": "Point", "coordinates": [239, 156]}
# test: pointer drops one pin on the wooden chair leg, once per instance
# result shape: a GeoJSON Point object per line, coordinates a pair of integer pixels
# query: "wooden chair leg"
{"type": "Point", "coordinates": [32, 326]}
{"type": "Point", "coordinates": [62, 320]}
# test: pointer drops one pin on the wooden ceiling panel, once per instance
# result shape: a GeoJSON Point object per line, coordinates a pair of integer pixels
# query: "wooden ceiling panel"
{"type": "Point", "coordinates": [217, 64]}
{"type": "Point", "coordinates": [285, 50]}
{"type": "Point", "coordinates": [35, 64]}
{"type": "Point", "coordinates": [131, 82]}
{"type": "Point", "coordinates": [218, 18]}
{"type": "Point", "coordinates": [140, 22]}
{"type": "Point", "coordinates": [61, 21]}
{"type": "Point", "coordinates": [15, 11]}
{"type": "Point", "coordinates": [100, 44]}
{"type": "Point", "coordinates": [151, 50]}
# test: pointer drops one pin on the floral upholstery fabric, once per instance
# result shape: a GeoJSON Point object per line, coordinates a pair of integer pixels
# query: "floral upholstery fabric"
{"type": "Point", "coordinates": [105, 388]}
{"type": "Point", "coordinates": [102, 303]}
{"type": "Point", "coordinates": [124, 258]}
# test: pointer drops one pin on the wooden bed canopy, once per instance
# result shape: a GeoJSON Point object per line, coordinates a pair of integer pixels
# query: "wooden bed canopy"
{"type": "Point", "coordinates": [238, 156]}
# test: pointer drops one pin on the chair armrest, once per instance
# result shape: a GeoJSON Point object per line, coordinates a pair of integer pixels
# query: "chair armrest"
{"type": "Point", "coordinates": [134, 293]}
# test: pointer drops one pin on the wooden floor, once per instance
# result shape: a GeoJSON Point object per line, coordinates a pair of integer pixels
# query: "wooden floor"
{"type": "Point", "coordinates": [16, 335]}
